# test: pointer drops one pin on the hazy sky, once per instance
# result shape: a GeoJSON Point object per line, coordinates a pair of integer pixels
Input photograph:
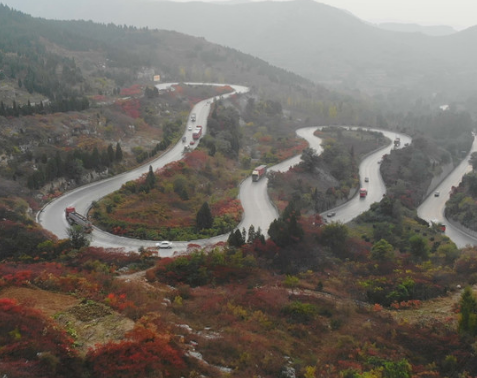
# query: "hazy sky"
{"type": "Point", "coordinates": [459, 14]}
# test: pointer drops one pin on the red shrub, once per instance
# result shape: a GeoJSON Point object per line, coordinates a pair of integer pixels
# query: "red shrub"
{"type": "Point", "coordinates": [130, 107]}
{"type": "Point", "coordinates": [147, 354]}
{"type": "Point", "coordinates": [133, 90]}
{"type": "Point", "coordinates": [25, 334]}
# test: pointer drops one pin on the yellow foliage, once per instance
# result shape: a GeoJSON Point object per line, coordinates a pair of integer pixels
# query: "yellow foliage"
{"type": "Point", "coordinates": [262, 319]}
{"type": "Point", "coordinates": [178, 300]}
{"type": "Point", "coordinates": [237, 311]}
{"type": "Point", "coordinates": [310, 372]}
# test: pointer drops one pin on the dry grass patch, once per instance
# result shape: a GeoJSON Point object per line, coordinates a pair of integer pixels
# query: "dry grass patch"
{"type": "Point", "coordinates": [47, 302]}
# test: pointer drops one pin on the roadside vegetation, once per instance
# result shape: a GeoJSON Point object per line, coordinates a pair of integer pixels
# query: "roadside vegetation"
{"type": "Point", "coordinates": [329, 301]}
{"type": "Point", "coordinates": [461, 206]}
{"type": "Point", "coordinates": [322, 181]}
{"type": "Point", "coordinates": [167, 204]}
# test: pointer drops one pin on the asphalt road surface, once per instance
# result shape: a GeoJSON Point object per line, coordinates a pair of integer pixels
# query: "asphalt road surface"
{"type": "Point", "coordinates": [369, 167]}
{"type": "Point", "coordinates": [433, 207]}
{"type": "Point", "coordinates": [258, 210]}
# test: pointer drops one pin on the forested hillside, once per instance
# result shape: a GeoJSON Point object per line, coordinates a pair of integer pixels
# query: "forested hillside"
{"type": "Point", "coordinates": [320, 42]}
{"type": "Point", "coordinates": [101, 72]}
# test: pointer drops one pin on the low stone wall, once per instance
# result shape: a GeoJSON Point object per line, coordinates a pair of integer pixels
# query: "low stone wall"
{"type": "Point", "coordinates": [462, 227]}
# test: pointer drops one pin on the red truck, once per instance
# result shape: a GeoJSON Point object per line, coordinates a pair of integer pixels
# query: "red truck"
{"type": "Point", "coordinates": [363, 192]}
{"type": "Point", "coordinates": [259, 172]}
{"type": "Point", "coordinates": [197, 133]}
{"type": "Point", "coordinates": [75, 218]}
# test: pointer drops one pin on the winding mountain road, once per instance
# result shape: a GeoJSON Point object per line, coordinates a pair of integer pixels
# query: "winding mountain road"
{"type": "Point", "coordinates": [369, 167]}
{"type": "Point", "coordinates": [433, 207]}
{"type": "Point", "coordinates": [258, 210]}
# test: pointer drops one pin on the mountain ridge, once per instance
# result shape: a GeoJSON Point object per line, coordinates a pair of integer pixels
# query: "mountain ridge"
{"type": "Point", "coordinates": [317, 41]}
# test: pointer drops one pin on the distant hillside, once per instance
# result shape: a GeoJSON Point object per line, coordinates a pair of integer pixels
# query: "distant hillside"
{"type": "Point", "coordinates": [435, 31]}
{"type": "Point", "coordinates": [317, 41]}
{"type": "Point", "coordinates": [61, 59]}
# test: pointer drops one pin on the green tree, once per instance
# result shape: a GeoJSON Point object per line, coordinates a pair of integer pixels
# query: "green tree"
{"type": "Point", "coordinates": [111, 153]}
{"type": "Point", "coordinates": [335, 236]}
{"type": "Point", "coordinates": [180, 187]}
{"type": "Point", "coordinates": [419, 248]}
{"type": "Point", "coordinates": [204, 219]}
{"type": "Point", "coordinates": [119, 152]}
{"type": "Point", "coordinates": [77, 237]}
{"type": "Point", "coordinates": [400, 369]}
{"type": "Point", "coordinates": [468, 313]}
{"type": "Point", "coordinates": [471, 180]}
{"type": "Point", "coordinates": [251, 234]}
{"type": "Point", "coordinates": [235, 239]}
{"type": "Point", "coordinates": [473, 160]}
{"type": "Point", "coordinates": [286, 229]}
{"type": "Point", "coordinates": [382, 251]}
{"type": "Point", "coordinates": [309, 159]}
{"type": "Point", "coordinates": [150, 178]}
{"type": "Point", "coordinates": [95, 158]}
{"type": "Point", "coordinates": [278, 232]}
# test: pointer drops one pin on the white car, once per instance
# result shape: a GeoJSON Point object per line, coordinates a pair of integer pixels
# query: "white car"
{"type": "Point", "coordinates": [189, 128]}
{"type": "Point", "coordinates": [331, 214]}
{"type": "Point", "coordinates": [437, 194]}
{"type": "Point", "coordinates": [366, 179]}
{"type": "Point", "coordinates": [164, 244]}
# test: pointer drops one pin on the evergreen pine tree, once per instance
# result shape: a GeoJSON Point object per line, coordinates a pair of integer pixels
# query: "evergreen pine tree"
{"type": "Point", "coordinates": [150, 178]}
{"type": "Point", "coordinates": [119, 152]}
{"type": "Point", "coordinates": [204, 218]}
{"type": "Point", "coordinates": [251, 234]}
{"type": "Point", "coordinates": [111, 153]}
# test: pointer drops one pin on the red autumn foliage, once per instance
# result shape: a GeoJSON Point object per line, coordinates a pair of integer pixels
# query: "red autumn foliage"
{"type": "Point", "coordinates": [193, 247]}
{"type": "Point", "coordinates": [178, 90]}
{"type": "Point", "coordinates": [23, 274]}
{"type": "Point", "coordinates": [119, 302]}
{"type": "Point", "coordinates": [133, 90]}
{"type": "Point", "coordinates": [227, 207]}
{"type": "Point", "coordinates": [196, 159]}
{"type": "Point", "coordinates": [224, 89]}
{"type": "Point", "coordinates": [16, 279]}
{"type": "Point", "coordinates": [108, 256]}
{"type": "Point", "coordinates": [146, 354]}
{"type": "Point", "coordinates": [268, 250]}
{"type": "Point", "coordinates": [99, 98]}
{"type": "Point", "coordinates": [26, 336]}
{"type": "Point", "coordinates": [415, 304]}
{"type": "Point", "coordinates": [131, 107]}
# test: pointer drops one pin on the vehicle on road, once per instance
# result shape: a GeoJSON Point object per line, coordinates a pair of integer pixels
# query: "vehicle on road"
{"type": "Point", "coordinates": [437, 225]}
{"type": "Point", "coordinates": [192, 117]}
{"type": "Point", "coordinates": [366, 179]}
{"type": "Point", "coordinates": [192, 142]}
{"type": "Point", "coordinates": [363, 192]}
{"type": "Point", "coordinates": [164, 245]}
{"type": "Point", "coordinates": [75, 218]}
{"type": "Point", "coordinates": [189, 128]}
{"type": "Point", "coordinates": [184, 139]}
{"type": "Point", "coordinates": [259, 172]}
{"type": "Point", "coordinates": [197, 133]}
{"type": "Point", "coordinates": [331, 214]}
{"type": "Point", "coordinates": [437, 194]}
